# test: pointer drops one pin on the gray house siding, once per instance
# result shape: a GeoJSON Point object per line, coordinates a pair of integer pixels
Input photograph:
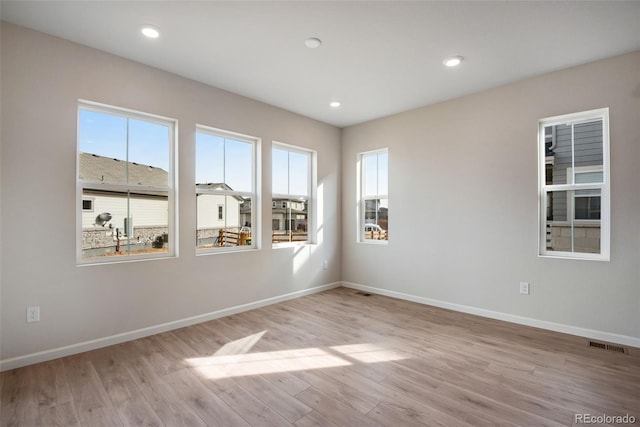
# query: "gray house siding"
{"type": "Point", "coordinates": [588, 150]}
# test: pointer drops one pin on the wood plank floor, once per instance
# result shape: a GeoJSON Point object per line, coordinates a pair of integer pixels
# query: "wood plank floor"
{"type": "Point", "coordinates": [338, 358]}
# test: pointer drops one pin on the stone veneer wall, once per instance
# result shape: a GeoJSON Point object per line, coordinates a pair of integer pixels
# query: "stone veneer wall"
{"type": "Point", "coordinates": [586, 238]}
{"type": "Point", "coordinates": [99, 237]}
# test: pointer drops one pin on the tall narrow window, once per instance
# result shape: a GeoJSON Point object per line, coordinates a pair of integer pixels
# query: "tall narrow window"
{"type": "Point", "coordinates": [373, 212]}
{"type": "Point", "coordinates": [292, 179]}
{"type": "Point", "coordinates": [226, 195]}
{"type": "Point", "coordinates": [574, 185]}
{"type": "Point", "coordinates": [125, 171]}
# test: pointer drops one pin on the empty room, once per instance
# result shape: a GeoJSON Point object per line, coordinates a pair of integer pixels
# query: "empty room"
{"type": "Point", "coordinates": [331, 213]}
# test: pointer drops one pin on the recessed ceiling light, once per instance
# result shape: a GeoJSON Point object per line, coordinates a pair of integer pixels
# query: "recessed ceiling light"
{"type": "Point", "coordinates": [150, 31]}
{"type": "Point", "coordinates": [453, 61]}
{"type": "Point", "coordinates": [335, 104]}
{"type": "Point", "coordinates": [313, 42]}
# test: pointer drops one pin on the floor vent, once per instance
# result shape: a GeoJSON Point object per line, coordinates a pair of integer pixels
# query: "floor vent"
{"type": "Point", "coordinates": [608, 347]}
{"type": "Point", "coordinates": [364, 294]}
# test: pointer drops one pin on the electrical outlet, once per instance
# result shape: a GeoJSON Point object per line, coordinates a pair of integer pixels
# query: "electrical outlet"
{"type": "Point", "coordinates": [33, 314]}
{"type": "Point", "coordinates": [524, 288]}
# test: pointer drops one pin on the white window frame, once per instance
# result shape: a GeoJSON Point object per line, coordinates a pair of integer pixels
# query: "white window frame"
{"type": "Point", "coordinates": [254, 194]}
{"type": "Point", "coordinates": [604, 187]}
{"type": "Point", "coordinates": [361, 199]}
{"type": "Point", "coordinates": [170, 189]}
{"type": "Point", "coordinates": [310, 196]}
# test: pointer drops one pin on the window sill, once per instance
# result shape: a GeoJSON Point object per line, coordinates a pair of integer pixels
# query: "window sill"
{"type": "Point", "coordinates": [290, 244]}
{"type": "Point", "coordinates": [374, 242]}
{"type": "Point", "coordinates": [124, 259]}
{"type": "Point", "coordinates": [229, 250]}
{"type": "Point", "coordinates": [573, 256]}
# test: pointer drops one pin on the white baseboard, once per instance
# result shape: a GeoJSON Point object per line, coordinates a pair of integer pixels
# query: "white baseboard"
{"type": "Point", "coordinates": [512, 318]}
{"type": "Point", "coordinates": [43, 356]}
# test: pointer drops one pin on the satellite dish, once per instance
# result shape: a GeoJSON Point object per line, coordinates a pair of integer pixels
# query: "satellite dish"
{"type": "Point", "coordinates": [103, 218]}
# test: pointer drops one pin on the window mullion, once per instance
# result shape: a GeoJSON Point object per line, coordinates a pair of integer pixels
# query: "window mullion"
{"type": "Point", "coordinates": [224, 160]}
{"type": "Point", "coordinates": [573, 155]}
{"type": "Point", "coordinates": [288, 172]}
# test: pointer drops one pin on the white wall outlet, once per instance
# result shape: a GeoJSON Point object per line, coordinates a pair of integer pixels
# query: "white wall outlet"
{"type": "Point", "coordinates": [524, 288]}
{"type": "Point", "coordinates": [33, 314]}
{"type": "Point", "coordinates": [325, 265]}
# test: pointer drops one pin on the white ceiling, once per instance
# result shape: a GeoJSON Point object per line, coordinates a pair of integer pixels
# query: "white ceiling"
{"type": "Point", "coordinates": [377, 57]}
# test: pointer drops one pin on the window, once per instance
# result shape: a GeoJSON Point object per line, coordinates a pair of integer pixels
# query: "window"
{"type": "Point", "coordinates": [292, 179]}
{"type": "Point", "coordinates": [574, 185]}
{"type": "Point", "coordinates": [126, 184]}
{"type": "Point", "coordinates": [373, 206]}
{"type": "Point", "coordinates": [87, 205]}
{"type": "Point", "coordinates": [226, 197]}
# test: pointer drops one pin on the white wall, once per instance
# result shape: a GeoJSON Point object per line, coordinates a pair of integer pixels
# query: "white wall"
{"type": "Point", "coordinates": [42, 79]}
{"type": "Point", "coordinates": [463, 205]}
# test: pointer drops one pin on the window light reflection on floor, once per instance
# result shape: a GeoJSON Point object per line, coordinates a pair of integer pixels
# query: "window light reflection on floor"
{"type": "Point", "coordinates": [233, 359]}
{"type": "Point", "coordinates": [240, 346]}
{"type": "Point", "coordinates": [368, 353]}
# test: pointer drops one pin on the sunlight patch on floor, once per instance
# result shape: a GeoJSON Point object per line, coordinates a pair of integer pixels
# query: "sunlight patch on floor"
{"type": "Point", "coordinates": [240, 346]}
{"type": "Point", "coordinates": [368, 353]}
{"type": "Point", "coordinates": [266, 362]}
{"type": "Point", "coordinates": [227, 364]}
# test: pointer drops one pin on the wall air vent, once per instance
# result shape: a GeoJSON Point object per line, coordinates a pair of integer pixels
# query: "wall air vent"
{"type": "Point", "coordinates": [609, 347]}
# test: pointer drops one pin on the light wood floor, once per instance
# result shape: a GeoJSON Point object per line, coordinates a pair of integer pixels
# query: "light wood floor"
{"type": "Point", "coordinates": [338, 358]}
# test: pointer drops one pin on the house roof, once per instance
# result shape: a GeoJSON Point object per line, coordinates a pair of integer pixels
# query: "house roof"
{"type": "Point", "coordinates": [104, 169]}
{"type": "Point", "coordinates": [214, 186]}
{"type": "Point", "coordinates": [217, 186]}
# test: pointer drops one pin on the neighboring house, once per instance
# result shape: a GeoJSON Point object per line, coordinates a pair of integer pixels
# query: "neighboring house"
{"type": "Point", "coordinates": [289, 215]}
{"type": "Point", "coordinates": [216, 212]}
{"type": "Point", "coordinates": [574, 214]}
{"type": "Point", "coordinates": [375, 213]}
{"type": "Point", "coordinates": [286, 215]}
{"type": "Point", "coordinates": [139, 218]}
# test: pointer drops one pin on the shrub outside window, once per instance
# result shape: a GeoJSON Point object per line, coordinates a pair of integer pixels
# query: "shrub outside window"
{"type": "Point", "coordinates": [125, 169]}
{"type": "Point", "coordinates": [574, 185]}
{"type": "Point", "coordinates": [226, 195]}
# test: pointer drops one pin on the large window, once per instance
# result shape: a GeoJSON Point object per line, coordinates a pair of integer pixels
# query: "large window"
{"type": "Point", "coordinates": [373, 206]}
{"type": "Point", "coordinates": [225, 190]}
{"type": "Point", "coordinates": [292, 179]}
{"type": "Point", "coordinates": [125, 190]}
{"type": "Point", "coordinates": [574, 185]}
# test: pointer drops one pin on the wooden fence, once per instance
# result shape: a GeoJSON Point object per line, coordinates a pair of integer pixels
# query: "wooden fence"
{"type": "Point", "coordinates": [376, 235]}
{"type": "Point", "coordinates": [289, 236]}
{"type": "Point", "coordinates": [233, 238]}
